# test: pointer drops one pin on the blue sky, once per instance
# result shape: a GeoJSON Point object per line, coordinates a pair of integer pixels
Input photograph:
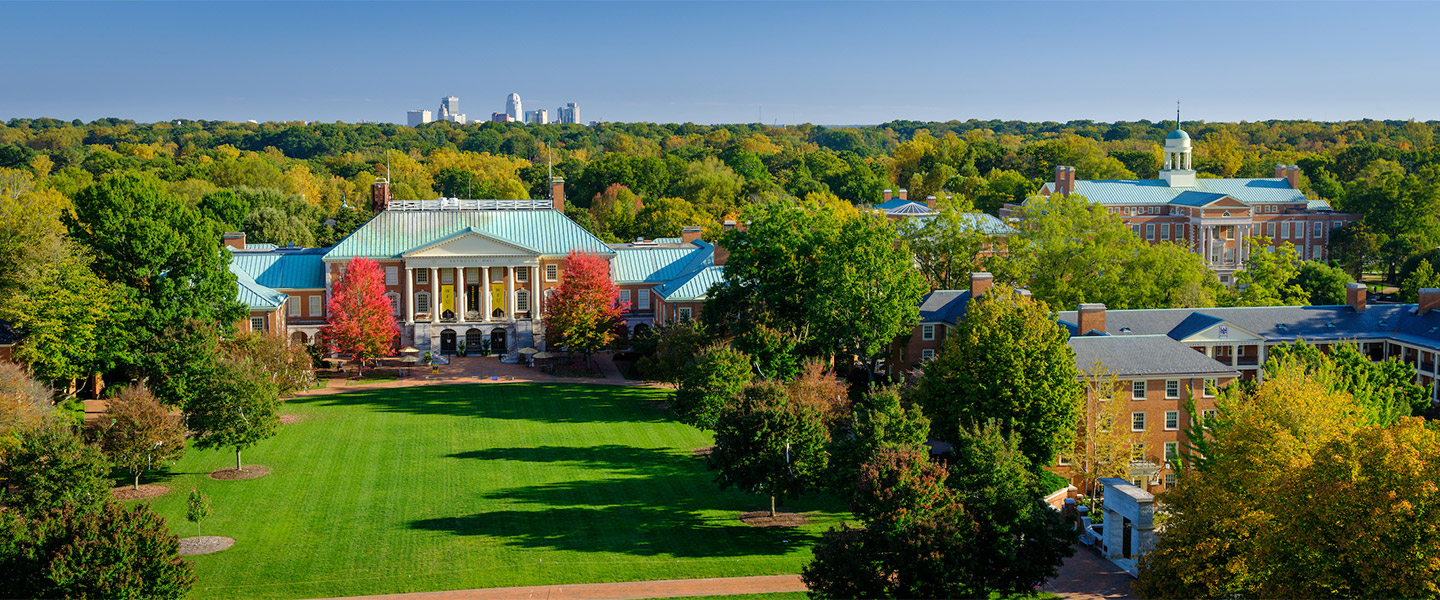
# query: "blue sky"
{"type": "Point", "coordinates": [817, 62]}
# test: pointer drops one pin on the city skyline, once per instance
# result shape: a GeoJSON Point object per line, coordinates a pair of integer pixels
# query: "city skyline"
{"type": "Point", "coordinates": [851, 63]}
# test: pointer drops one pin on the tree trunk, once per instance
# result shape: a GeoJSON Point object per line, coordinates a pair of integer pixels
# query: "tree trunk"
{"type": "Point", "coordinates": [772, 506]}
{"type": "Point", "coordinates": [137, 480]}
{"type": "Point", "coordinates": [237, 459]}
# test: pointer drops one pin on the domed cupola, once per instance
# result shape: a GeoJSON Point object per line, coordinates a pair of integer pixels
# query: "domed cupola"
{"type": "Point", "coordinates": [1177, 169]}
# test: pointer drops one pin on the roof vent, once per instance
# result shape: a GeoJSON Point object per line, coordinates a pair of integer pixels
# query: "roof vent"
{"type": "Point", "coordinates": [1281, 326]}
{"type": "Point", "coordinates": [1124, 330]}
{"type": "Point", "coordinates": [1432, 329]}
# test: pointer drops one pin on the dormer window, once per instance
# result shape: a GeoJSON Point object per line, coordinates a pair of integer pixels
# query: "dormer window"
{"type": "Point", "coordinates": [1124, 330]}
{"type": "Point", "coordinates": [1281, 326]}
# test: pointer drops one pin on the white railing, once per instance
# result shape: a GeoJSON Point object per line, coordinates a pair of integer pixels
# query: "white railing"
{"type": "Point", "coordinates": [458, 204]}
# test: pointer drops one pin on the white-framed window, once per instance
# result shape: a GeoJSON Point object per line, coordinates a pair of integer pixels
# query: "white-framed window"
{"type": "Point", "coordinates": [1229, 255]}
{"type": "Point", "coordinates": [1172, 420]}
{"type": "Point", "coordinates": [1170, 480]}
{"type": "Point", "coordinates": [257, 323]}
{"type": "Point", "coordinates": [1208, 415]}
{"type": "Point", "coordinates": [1164, 231]}
{"type": "Point", "coordinates": [392, 275]}
{"type": "Point", "coordinates": [422, 276]}
{"type": "Point", "coordinates": [1270, 230]}
{"type": "Point", "coordinates": [1149, 231]}
{"type": "Point", "coordinates": [522, 300]}
{"type": "Point", "coordinates": [927, 332]}
{"type": "Point", "coordinates": [317, 306]}
{"type": "Point", "coordinates": [1209, 383]}
{"type": "Point", "coordinates": [927, 354]}
{"type": "Point", "coordinates": [1172, 388]}
{"type": "Point", "coordinates": [684, 312]}
{"type": "Point", "coordinates": [447, 276]}
{"type": "Point", "coordinates": [552, 272]}
{"type": "Point", "coordinates": [394, 299]}
{"type": "Point", "coordinates": [1319, 230]}
{"type": "Point", "coordinates": [522, 274]}
{"type": "Point", "coordinates": [1172, 451]}
{"type": "Point", "coordinates": [1135, 228]}
{"type": "Point", "coordinates": [625, 299]}
{"type": "Point", "coordinates": [547, 295]}
{"type": "Point", "coordinates": [1316, 251]}
{"type": "Point", "coordinates": [1137, 421]}
{"type": "Point", "coordinates": [1137, 389]}
{"type": "Point", "coordinates": [292, 308]}
{"type": "Point", "coordinates": [422, 303]}
{"type": "Point", "coordinates": [1285, 230]}
{"type": "Point", "coordinates": [642, 299]}
{"type": "Point", "coordinates": [1063, 460]}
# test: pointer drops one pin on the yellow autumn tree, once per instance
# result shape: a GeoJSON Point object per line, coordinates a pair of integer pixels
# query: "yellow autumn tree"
{"type": "Point", "coordinates": [1103, 444]}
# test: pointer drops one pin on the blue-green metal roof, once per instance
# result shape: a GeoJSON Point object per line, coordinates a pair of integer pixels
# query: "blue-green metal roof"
{"type": "Point", "coordinates": [659, 264]}
{"type": "Point", "coordinates": [895, 203]}
{"type": "Point", "coordinates": [394, 232]}
{"type": "Point", "coordinates": [1112, 192]}
{"type": "Point", "coordinates": [254, 295]}
{"type": "Point", "coordinates": [691, 286]}
{"type": "Point", "coordinates": [1193, 198]}
{"type": "Point", "coordinates": [283, 269]}
{"type": "Point", "coordinates": [1319, 205]}
{"type": "Point", "coordinates": [261, 246]}
{"type": "Point", "coordinates": [1178, 134]}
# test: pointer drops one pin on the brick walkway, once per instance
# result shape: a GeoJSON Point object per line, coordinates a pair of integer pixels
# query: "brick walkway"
{"type": "Point", "coordinates": [629, 590]}
{"type": "Point", "coordinates": [1086, 576]}
{"type": "Point", "coordinates": [475, 369]}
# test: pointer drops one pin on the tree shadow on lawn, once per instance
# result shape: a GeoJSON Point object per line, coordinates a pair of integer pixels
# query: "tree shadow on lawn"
{"type": "Point", "coordinates": [542, 402]}
{"type": "Point", "coordinates": [655, 512]}
{"type": "Point", "coordinates": [612, 458]}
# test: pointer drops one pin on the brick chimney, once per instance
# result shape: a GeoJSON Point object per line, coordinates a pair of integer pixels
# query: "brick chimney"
{"type": "Point", "coordinates": [902, 193]}
{"type": "Point", "coordinates": [1355, 296]}
{"type": "Point", "coordinates": [885, 197]}
{"type": "Point", "coordinates": [235, 239]}
{"type": "Point", "coordinates": [1064, 180]}
{"type": "Point", "coordinates": [380, 195]}
{"type": "Point", "coordinates": [690, 234]}
{"type": "Point", "coordinates": [557, 193]}
{"type": "Point", "coordinates": [1429, 300]}
{"type": "Point", "coordinates": [980, 282]}
{"type": "Point", "coordinates": [1091, 317]}
{"type": "Point", "coordinates": [930, 202]}
{"type": "Point", "coordinates": [1292, 173]}
{"type": "Point", "coordinates": [1282, 171]}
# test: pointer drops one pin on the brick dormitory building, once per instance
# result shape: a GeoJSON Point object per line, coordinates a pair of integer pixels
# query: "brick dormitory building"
{"type": "Point", "coordinates": [473, 270]}
{"type": "Point", "coordinates": [1219, 219]}
{"type": "Point", "coordinates": [1163, 356]}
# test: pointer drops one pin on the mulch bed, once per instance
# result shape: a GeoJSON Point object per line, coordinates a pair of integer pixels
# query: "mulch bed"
{"type": "Point", "coordinates": [762, 518]}
{"type": "Point", "coordinates": [148, 490]}
{"type": "Point", "coordinates": [249, 472]}
{"type": "Point", "coordinates": [703, 452]}
{"type": "Point", "coordinates": [288, 419]}
{"type": "Point", "coordinates": [204, 544]}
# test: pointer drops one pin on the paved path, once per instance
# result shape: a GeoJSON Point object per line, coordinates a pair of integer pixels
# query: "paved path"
{"type": "Point", "coordinates": [629, 590]}
{"type": "Point", "coordinates": [476, 369]}
{"type": "Point", "coordinates": [1086, 576]}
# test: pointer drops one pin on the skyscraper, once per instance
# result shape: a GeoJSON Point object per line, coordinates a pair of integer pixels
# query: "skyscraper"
{"type": "Point", "coordinates": [537, 117]}
{"type": "Point", "coordinates": [416, 118]}
{"type": "Point", "coordinates": [512, 107]}
{"type": "Point", "coordinates": [570, 113]}
{"type": "Point", "coordinates": [450, 110]}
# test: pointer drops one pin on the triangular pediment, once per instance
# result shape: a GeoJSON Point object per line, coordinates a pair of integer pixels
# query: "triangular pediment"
{"type": "Point", "coordinates": [468, 243]}
{"type": "Point", "coordinates": [1223, 331]}
{"type": "Point", "coordinates": [1227, 202]}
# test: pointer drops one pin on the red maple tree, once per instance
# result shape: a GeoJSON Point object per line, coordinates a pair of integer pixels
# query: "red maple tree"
{"type": "Point", "coordinates": [585, 307]}
{"type": "Point", "coordinates": [361, 322]}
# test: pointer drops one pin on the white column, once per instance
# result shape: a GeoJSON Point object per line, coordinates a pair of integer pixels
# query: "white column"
{"type": "Point", "coordinates": [510, 292]}
{"type": "Point", "coordinates": [534, 286]}
{"type": "Point", "coordinates": [409, 299]}
{"type": "Point", "coordinates": [1205, 243]}
{"type": "Point", "coordinates": [434, 295]}
{"type": "Point", "coordinates": [460, 294]}
{"type": "Point", "coordinates": [484, 293]}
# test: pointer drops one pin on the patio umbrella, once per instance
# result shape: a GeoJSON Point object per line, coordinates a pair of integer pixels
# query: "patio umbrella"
{"type": "Point", "coordinates": [528, 350]}
{"type": "Point", "coordinates": [410, 350]}
{"type": "Point", "coordinates": [542, 355]}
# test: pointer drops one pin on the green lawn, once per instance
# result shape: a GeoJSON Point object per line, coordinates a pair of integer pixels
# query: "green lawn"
{"type": "Point", "coordinates": [452, 487]}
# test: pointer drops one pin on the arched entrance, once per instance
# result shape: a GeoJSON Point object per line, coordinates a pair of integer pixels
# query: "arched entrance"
{"type": "Point", "coordinates": [298, 338]}
{"type": "Point", "coordinates": [497, 341]}
{"type": "Point", "coordinates": [447, 341]}
{"type": "Point", "coordinates": [641, 330]}
{"type": "Point", "coordinates": [474, 340]}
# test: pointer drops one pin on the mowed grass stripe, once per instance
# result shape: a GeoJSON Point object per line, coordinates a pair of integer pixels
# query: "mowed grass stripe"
{"type": "Point", "coordinates": [454, 487]}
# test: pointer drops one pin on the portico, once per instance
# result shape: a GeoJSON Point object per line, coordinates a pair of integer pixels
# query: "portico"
{"type": "Point", "coordinates": [469, 284]}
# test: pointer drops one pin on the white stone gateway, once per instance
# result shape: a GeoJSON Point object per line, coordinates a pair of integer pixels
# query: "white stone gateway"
{"type": "Point", "coordinates": [1127, 507]}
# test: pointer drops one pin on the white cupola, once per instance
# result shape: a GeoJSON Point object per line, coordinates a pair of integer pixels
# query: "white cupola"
{"type": "Point", "coordinates": [1177, 169]}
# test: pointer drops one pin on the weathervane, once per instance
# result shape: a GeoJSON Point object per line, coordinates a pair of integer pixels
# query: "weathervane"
{"type": "Point", "coordinates": [1177, 114]}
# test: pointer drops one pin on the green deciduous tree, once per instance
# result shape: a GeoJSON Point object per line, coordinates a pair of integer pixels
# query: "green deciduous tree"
{"type": "Point", "coordinates": [1323, 284]}
{"type": "Point", "coordinates": [1008, 361]}
{"type": "Point", "coordinates": [24, 404]}
{"type": "Point", "coordinates": [948, 248]}
{"type": "Point", "coordinates": [710, 383]}
{"type": "Point", "coordinates": [104, 552]}
{"type": "Point", "coordinates": [1422, 277]}
{"type": "Point", "coordinates": [197, 508]}
{"type": "Point", "coordinates": [881, 422]}
{"type": "Point", "coordinates": [52, 467]}
{"type": "Point", "coordinates": [766, 444]}
{"type": "Point", "coordinates": [1268, 278]}
{"type": "Point", "coordinates": [238, 408]}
